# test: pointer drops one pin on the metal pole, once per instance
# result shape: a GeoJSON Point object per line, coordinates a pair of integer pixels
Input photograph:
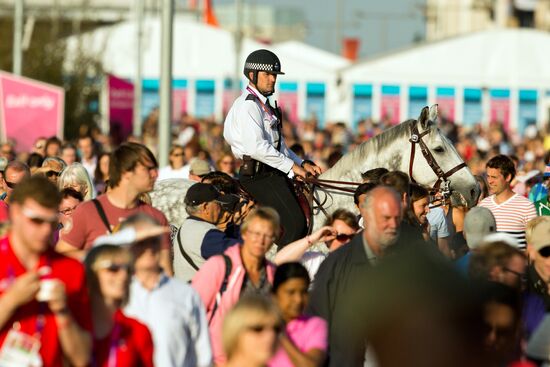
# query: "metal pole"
{"type": "Point", "coordinates": [238, 45]}
{"type": "Point", "coordinates": [164, 124]}
{"type": "Point", "coordinates": [139, 63]}
{"type": "Point", "coordinates": [18, 37]}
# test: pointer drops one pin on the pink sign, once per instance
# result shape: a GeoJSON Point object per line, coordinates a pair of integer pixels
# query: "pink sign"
{"type": "Point", "coordinates": [288, 101]}
{"type": "Point", "coordinates": [500, 111]}
{"type": "Point", "coordinates": [121, 107]}
{"type": "Point", "coordinates": [390, 108]}
{"type": "Point", "coordinates": [29, 109]}
{"type": "Point", "coordinates": [179, 103]}
{"type": "Point", "coordinates": [446, 106]}
{"type": "Point", "coordinates": [229, 97]}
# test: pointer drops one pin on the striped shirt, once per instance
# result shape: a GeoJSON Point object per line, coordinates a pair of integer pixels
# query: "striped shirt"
{"type": "Point", "coordinates": [512, 215]}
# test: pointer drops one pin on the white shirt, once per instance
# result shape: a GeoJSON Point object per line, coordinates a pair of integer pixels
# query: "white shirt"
{"type": "Point", "coordinates": [250, 130]}
{"type": "Point", "coordinates": [312, 260]}
{"type": "Point", "coordinates": [168, 172]}
{"type": "Point", "coordinates": [174, 314]}
{"type": "Point", "coordinates": [90, 165]}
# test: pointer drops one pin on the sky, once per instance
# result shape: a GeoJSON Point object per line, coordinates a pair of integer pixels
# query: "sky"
{"type": "Point", "coordinates": [381, 25]}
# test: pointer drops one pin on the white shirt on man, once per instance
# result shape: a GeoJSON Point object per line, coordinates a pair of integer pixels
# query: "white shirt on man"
{"type": "Point", "coordinates": [252, 131]}
{"type": "Point", "coordinates": [175, 315]}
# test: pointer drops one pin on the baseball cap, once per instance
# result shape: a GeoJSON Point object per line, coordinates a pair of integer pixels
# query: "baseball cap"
{"type": "Point", "coordinates": [199, 167]}
{"type": "Point", "coordinates": [478, 223]}
{"type": "Point", "coordinates": [540, 237]}
{"type": "Point", "coordinates": [202, 193]}
{"type": "Point", "coordinates": [547, 171]}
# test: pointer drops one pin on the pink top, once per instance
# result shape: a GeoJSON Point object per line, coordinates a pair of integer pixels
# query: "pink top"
{"type": "Point", "coordinates": [307, 333]}
{"type": "Point", "coordinates": [207, 282]}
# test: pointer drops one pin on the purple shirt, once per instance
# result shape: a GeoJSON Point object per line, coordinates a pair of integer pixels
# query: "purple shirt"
{"type": "Point", "coordinates": [307, 333]}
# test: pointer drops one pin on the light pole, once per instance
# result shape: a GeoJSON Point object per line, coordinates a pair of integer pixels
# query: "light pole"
{"type": "Point", "coordinates": [18, 37]}
{"type": "Point", "coordinates": [139, 62]}
{"type": "Point", "coordinates": [165, 116]}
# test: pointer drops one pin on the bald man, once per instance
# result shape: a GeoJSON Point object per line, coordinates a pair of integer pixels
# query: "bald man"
{"type": "Point", "coordinates": [330, 298]}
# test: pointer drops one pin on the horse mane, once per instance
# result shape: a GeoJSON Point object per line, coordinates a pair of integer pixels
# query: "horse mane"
{"type": "Point", "coordinates": [350, 165]}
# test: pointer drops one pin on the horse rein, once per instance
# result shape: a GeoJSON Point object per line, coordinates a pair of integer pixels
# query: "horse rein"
{"type": "Point", "coordinates": [442, 184]}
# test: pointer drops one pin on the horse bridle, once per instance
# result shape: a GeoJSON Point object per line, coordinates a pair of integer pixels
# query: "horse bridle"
{"type": "Point", "coordinates": [442, 184]}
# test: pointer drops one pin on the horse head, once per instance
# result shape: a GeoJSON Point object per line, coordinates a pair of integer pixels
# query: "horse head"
{"type": "Point", "coordinates": [435, 162]}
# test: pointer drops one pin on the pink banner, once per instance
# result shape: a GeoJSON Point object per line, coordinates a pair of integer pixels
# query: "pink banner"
{"type": "Point", "coordinates": [500, 111]}
{"type": "Point", "coordinates": [390, 108]}
{"type": "Point", "coordinates": [179, 103]}
{"type": "Point", "coordinates": [229, 97]}
{"type": "Point", "coordinates": [288, 101]}
{"type": "Point", "coordinates": [121, 107]}
{"type": "Point", "coordinates": [446, 106]}
{"type": "Point", "coordinates": [29, 109]}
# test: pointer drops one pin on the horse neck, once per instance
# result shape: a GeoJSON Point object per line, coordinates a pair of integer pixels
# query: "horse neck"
{"type": "Point", "coordinates": [391, 150]}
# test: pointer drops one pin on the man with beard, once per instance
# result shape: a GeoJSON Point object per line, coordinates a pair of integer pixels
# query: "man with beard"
{"type": "Point", "coordinates": [331, 296]}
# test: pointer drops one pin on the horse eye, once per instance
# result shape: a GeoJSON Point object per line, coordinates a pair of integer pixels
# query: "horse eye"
{"type": "Point", "coordinates": [439, 149]}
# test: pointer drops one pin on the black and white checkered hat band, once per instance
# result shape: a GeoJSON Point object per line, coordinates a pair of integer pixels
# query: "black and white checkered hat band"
{"type": "Point", "coordinates": [259, 67]}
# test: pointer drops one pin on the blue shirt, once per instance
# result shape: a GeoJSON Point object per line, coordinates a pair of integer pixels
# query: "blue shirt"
{"type": "Point", "coordinates": [174, 314]}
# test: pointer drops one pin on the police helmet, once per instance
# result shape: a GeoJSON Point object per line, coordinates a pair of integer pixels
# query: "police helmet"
{"type": "Point", "coordinates": [262, 60]}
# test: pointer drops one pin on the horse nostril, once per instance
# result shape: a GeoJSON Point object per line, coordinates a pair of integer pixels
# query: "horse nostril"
{"type": "Point", "coordinates": [472, 192]}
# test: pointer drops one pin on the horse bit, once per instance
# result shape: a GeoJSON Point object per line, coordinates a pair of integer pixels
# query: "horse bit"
{"type": "Point", "coordinates": [443, 184]}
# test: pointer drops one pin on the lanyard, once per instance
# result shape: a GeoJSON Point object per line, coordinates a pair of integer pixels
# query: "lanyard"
{"type": "Point", "coordinates": [265, 108]}
{"type": "Point", "coordinates": [111, 362]}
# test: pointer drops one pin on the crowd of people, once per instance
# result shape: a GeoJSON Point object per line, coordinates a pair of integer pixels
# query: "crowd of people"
{"type": "Point", "coordinates": [93, 274]}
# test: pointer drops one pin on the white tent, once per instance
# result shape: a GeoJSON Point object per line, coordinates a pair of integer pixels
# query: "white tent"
{"type": "Point", "coordinates": [505, 57]}
{"type": "Point", "coordinates": [199, 51]}
{"type": "Point", "coordinates": [205, 52]}
{"type": "Point", "coordinates": [512, 61]}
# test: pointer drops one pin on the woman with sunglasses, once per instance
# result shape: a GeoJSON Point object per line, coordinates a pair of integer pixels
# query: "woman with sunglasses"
{"type": "Point", "coordinates": [176, 168]}
{"type": "Point", "coordinates": [241, 270]}
{"type": "Point", "coordinates": [339, 229]}
{"type": "Point", "coordinates": [118, 340]}
{"type": "Point", "coordinates": [303, 341]}
{"type": "Point", "coordinates": [226, 164]}
{"type": "Point", "coordinates": [250, 332]}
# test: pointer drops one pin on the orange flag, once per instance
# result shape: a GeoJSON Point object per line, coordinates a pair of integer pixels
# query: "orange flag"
{"type": "Point", "coordinates": [209, 16]}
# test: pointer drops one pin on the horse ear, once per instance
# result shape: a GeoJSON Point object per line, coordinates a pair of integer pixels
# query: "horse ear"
{"type": "Point", "coordinates": [423, 119]}
{"type": "Point", "coordinates": [434, 112]}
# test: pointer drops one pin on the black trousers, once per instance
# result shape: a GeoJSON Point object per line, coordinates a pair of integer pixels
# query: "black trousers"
{"type": "Point", "coordinates": [274, 189]}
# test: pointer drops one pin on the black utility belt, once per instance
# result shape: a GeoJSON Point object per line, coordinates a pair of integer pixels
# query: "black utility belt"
{"type": "Point", "coordinates": [253, 167]}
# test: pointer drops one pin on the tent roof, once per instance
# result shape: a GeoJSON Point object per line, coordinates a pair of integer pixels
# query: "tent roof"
{"type": "Point", "coordinates": [494, 58]}
{"type": "Point", "coordinates": [200, 51]}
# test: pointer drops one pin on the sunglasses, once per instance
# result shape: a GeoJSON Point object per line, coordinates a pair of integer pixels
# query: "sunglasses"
{"type": "Point", "coordinates": [11, 185]}
{"type": "Point", "coordinates": [112, 267]}
{"type": "Point", "coordinates": [545, 251]}
{"type": "Point", "coordinates": [38, 220]}
{"type": "Point", "coordinates": [53, 173]}
{"type": "Point", "coordinates": [342, 237]}
{"type": "Point", "coordinates": [177, 154]}
{"type": "Point", "coordinates": [260, 328]}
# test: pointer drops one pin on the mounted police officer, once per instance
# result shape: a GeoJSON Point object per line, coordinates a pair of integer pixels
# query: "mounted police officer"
{"type": "Point", "coordinates": [253, 128]}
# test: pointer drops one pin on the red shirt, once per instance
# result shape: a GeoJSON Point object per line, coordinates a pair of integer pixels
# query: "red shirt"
{"type": "Point", "coordinates": [4, 212]}
{"type": "Point", "coordinates": [86, 224]}
{"type": "Point", "coordinates": [72, 274]}
{"type": "Point", "coordinates": [128, 345]}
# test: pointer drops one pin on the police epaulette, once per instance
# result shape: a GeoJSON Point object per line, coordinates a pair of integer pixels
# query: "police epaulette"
{"type": "Point", "coordinates": [251, 97]}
